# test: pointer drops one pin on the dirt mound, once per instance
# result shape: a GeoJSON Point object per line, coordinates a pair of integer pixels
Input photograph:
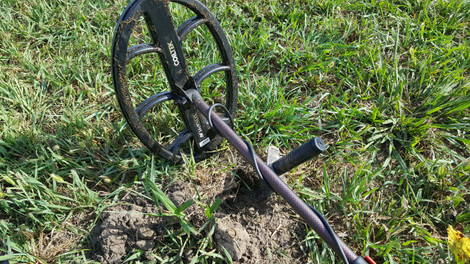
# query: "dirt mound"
{"type": "Point", "coordinates": [252, 226]}
{"type": "Point", "coordinates": [125, 227]}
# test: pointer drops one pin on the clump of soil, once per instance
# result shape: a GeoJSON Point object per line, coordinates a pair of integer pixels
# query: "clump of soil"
{"type": "Point", "coordinates": [251, 225]}
{"type": "Point", "coordinates": [231, 236]}
{"type": "Point", "coordinates": [125, 227]}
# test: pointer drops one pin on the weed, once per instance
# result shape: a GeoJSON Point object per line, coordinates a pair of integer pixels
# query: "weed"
{"type": "Point", "coordinates": [384, 83]}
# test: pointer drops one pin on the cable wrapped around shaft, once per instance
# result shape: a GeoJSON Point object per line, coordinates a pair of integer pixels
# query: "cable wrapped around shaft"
{"type": "Point", "coordinates": [274, 181]}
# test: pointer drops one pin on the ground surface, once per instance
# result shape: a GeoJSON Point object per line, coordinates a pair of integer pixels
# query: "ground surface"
{"type": "Point", "coordinates": [384, 83]}
{"type": "Point", "coordinates": [252, 225]}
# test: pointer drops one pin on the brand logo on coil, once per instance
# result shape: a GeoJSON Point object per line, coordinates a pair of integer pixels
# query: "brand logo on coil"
{"type": "Point", "coordinates": [198, 125]}
{"type": "Point", "coordinates": [174, 57]}
{"type": "Point", "coordinates": [200, 131]}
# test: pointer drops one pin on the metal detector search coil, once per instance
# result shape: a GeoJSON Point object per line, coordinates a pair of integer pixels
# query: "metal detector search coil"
{"type": "Point", "coordinates": [202, 126]}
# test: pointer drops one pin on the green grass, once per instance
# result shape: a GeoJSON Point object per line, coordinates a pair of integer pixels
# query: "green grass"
{"type": "Point", "coordinates": [384, 83]}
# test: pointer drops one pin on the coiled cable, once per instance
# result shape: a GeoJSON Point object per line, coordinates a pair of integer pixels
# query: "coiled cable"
{"type": "Point", "coordinates": [260, 175]}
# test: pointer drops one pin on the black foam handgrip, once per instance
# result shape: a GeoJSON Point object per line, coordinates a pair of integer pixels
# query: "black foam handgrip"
{"type": "Point", "coordinates": [298, 156]}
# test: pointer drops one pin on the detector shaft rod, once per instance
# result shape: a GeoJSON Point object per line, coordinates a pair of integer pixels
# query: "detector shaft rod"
{"type": "Point", "coordinates": [299, 206]}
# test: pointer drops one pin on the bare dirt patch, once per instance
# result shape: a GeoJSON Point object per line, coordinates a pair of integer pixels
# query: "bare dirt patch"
{"type": "Point", "coordinates": [251, 225]}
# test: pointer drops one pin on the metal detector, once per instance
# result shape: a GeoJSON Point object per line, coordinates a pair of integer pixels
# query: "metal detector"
{"type": "Point", "coordinates": [203, 126]}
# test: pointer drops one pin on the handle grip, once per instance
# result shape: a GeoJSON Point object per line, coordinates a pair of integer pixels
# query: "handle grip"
{"type": "Point", "coordinates": [299, 155]}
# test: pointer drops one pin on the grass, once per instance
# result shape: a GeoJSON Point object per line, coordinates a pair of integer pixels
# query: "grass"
{"type": "Point", "coordinates": [384, 83]}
